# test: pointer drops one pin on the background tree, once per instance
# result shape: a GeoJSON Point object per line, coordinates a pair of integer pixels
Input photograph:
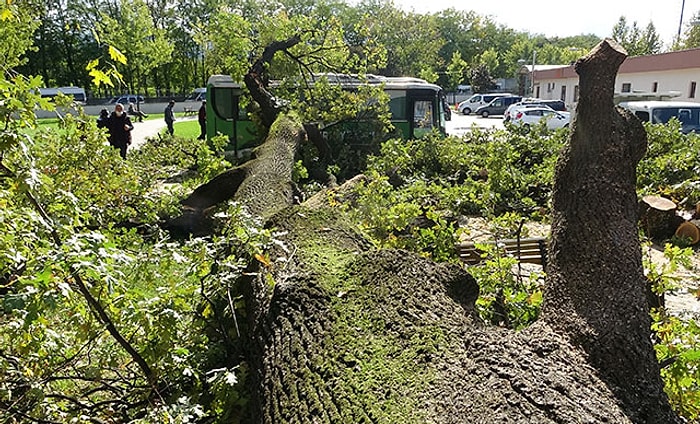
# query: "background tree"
{"type": "Point", "coordinates": [412, 41]}
{"type": "Point", "coordinates": [635, 41]}
{"type": "Point", "coordinates": [456, 71]}
{"type": "Point", "coordinates": [480, 78]}
{"type": "Point", "coordinates": [133, 32]}
{"type": "Point", "coordinates": [691, 35]}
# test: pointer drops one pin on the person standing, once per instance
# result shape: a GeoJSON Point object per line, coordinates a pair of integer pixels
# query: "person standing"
{"type": "Point", "coordinates": [203, 120]}
{"type": "Point", "coordinates": [170, 117]}
{"type": "Point", "coordinates": [119, 126]}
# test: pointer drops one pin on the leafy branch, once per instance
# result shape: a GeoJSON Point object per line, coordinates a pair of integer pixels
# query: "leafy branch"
{"type": "Point", "coordinates": [97, 309]}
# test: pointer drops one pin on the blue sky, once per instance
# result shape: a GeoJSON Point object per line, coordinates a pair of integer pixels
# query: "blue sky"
{"type": "Point", "coordinates": [570, 17]}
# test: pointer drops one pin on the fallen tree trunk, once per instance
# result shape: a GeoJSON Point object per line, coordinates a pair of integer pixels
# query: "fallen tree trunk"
{"type": "Point", "coordinates": [342, 332]}
{"type": "Point", "coordinates": [354, 334]}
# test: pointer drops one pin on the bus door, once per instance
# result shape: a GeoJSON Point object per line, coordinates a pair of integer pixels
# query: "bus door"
{"type": "Point", "coordinates": [224, 116]}
{"type": "Point", "coordinates": [424, 114]}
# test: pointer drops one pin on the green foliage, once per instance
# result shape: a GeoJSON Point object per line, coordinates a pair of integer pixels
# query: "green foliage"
{"type": "Point", "coordinates": [671, 163]}
{"type": "Point", "coordinates": [480, 78]}
{"type": "Point", "coordinates": [636, 41]}
{"type": "Point", "coordinates": [133, 35]}
{"type": "Point", "coordinates": [495, 171]}
{"type": "Point", "coordinates": [17, 23]}
{"type": "Point", "coordinates": [679, 349]}
{"type": "Point", "coordinates": [73, 211]}
{"type": "Point", "coordinates": [677, 337]}
{"type": "Point", "coordinates": [230, 44]}
{"type": "Point", "coordinates": [662, 276]}
{"type": "Point", "coordinates": [506, 298]}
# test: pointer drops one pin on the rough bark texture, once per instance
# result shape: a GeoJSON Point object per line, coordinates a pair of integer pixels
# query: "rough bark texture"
{"type": "Point", "coordinates": [595, 283]}
{"type": "Point", "coordinates": [264, 183]}
{"type": "Point", "coordinates": [353, 334]}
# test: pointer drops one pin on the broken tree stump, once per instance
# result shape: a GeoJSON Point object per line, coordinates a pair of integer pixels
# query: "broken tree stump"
{"type": "Point", "coordinates": [595, 285]}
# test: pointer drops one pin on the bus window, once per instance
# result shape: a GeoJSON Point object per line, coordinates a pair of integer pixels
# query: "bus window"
{"type": "Point", "coordinates": [685, 116]}
{"type": "Point", "coordinates": [422, 118]}
{"type": "Point", "coordinates": [397, 104]}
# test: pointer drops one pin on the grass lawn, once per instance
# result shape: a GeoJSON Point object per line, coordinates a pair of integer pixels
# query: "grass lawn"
{"type": "Point", "coordinates": [186, 129]}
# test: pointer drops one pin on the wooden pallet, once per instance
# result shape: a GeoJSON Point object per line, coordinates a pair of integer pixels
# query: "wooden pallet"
{"type": "Point", "coordinates": [526, 250]}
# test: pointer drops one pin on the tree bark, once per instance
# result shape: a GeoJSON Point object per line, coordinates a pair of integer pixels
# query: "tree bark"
{"type": "Point", "coordinates": [595, 286]}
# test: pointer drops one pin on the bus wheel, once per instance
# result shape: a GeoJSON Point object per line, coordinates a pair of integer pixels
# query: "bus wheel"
{"type": "Point", "coordinates": [485, 114]}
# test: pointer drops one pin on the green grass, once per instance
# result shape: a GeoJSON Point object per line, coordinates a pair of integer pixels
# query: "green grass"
{"type": "Point", "coordinates": [186, 129]}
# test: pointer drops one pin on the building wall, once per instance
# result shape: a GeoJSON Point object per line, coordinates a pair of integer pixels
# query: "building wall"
{"type": "Point", "coordinates": [673, 71]}
{"type": "Point", "coordinates": [672, 80]}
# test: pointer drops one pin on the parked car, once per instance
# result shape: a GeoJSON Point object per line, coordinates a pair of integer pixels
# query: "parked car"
{"type": "Point", "coordinates": [77, 93]}
{"type": "Point", "coordinates": [471, 104]}
{"type": "Point", "coordinates": [532, 116]}
{"type": "Point", "coordinates": [126, 99]}
{"type": "Point", "coordinates": [197, 95]}
{"type": "Point", "coordinates": [497, 106]}
{"type": "Point", "coordinates": [557, 105]}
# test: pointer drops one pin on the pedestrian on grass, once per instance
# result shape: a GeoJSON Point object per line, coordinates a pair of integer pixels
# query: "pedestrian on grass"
{"type": "Point", "coordinates": [203, 120]}
{"type": "Point", "coordinates": [170, 117]}
{"type": "Point", "coordinates": [119, 126]}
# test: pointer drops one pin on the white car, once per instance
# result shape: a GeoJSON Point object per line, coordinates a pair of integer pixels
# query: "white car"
{"type": "Point", "coordinates": [517, 107]}
{"type": "Point", "coordinates": [474, 102]}
{"type": "Point", "coordinates": [532, 116]}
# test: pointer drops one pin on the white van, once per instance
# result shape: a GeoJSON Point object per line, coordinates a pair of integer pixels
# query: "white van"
{"type": "Point", "coordinates": [474, 102]}
{"type": "Point", "coordinates": [660, 112]}
{"type": "Point", "coordinates": [77, 93]}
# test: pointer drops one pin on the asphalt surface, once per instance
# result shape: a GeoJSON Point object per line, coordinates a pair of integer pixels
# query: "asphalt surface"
{"type": "Point", "coordinates": [461, 124]}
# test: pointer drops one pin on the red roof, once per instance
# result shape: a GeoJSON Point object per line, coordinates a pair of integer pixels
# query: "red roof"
{"type": "Point", "coordinates": [684, 59]}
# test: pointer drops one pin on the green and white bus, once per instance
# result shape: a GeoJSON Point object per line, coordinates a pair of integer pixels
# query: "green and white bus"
{"type": "Point", "coordinates": [417, 107]}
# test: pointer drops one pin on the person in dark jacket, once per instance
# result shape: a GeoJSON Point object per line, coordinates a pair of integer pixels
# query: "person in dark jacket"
{"type": "Point", "coordinates": [119, 126]}
{"type": "Point", "coordinates": [102, 120]}
{"type": "Point", "coordinates": [170, 116]}
{"type": "Point", "coordinates": [203, 121]}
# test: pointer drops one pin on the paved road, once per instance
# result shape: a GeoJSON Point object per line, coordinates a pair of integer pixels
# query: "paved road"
{"type": "Point", "coordinates": [461, 124]}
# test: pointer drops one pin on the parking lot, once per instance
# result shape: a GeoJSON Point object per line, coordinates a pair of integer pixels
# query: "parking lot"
{"type": "Point", "coordinates": [461, 124]}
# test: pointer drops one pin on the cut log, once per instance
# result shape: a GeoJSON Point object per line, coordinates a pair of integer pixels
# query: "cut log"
{"type": "Point", "coordinates": [658, 218]}
{"type": "Point", "coordinates": [689, 231]}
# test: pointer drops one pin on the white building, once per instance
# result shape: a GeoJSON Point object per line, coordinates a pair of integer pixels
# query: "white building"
{"type": "Point", "coordinates": [666, 75]}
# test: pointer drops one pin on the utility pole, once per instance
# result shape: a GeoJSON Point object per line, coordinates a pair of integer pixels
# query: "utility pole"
{"type": "Point", "coordinates": [680, 23]}
{"type": "Point", "coordinates": [532, 74]}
